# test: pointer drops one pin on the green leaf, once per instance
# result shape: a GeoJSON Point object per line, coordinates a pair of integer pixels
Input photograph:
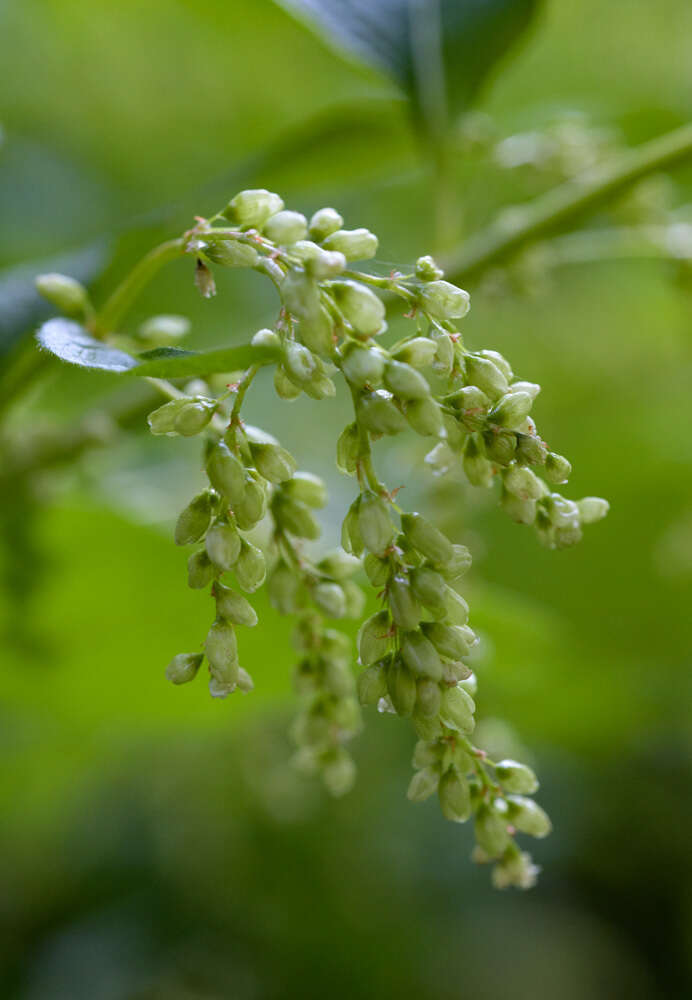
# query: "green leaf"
{"type": "Point", "coordinates": [438, 51]}
{"type": "Point", "coordinates": [72, 343]}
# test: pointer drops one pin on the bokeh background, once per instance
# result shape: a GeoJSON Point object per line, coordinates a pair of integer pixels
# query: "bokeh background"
{"type": "Point", "coordinates": [157, 844]}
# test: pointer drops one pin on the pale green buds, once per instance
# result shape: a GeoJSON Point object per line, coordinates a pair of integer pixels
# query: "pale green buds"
{"type": "Point", "coordinates": [401, 685]}
{"type": "Point", "coordinates": [362, 366]}
{"type": "Point", "coordinates": [221, 648]}
{"type": "Point", "coordinates": [223, 544]}
{"type": "Point", "coordinates": [339, 564]}
{"type": "Point", "coordinates": [330, 598]}
{"type": "Point", "coordinates": [478, 469]}
{"type": "Point", "coordinates": [193, 417]}
{"type": "Point", "coordinates": [521, 511]}
{"type": "Point", "coordinates": [451, 641]}
{"type": "Point", "coordinates": [374, 638]}
{"type": "Point", "coordinates": [459, 564]}
{"type": "Point", "coordinates": [226, 472]}
{"type": "Point", "coordinates": [285, 388]}
{"type": "Point", "coordinates": [233, 607]}
{"type": "Point", "coordinates": [527, 816]}
{"type": "Point", "coordinates": [429, 588]}
{"type": "Point", "coordinates": [196, 518]}
{"type": "Point", "coordinates": [444, 352]}
{"type": "Point", "coordinates": [253, 207]}
{"type": "Point", "coordinates": [418, 352]}
{"type": "Point", "coordinates": [283, 587]}
{"type": "Point", "coordinates": [165, 329]}
{"type": "Point", "coordinates": [515, 777]}
{"type": "Point", "coordinates": [354, 244]}
{"type": "Point", "coordinates": [444, 300]}
{"type": "Point", "coordinates": [425, 537]}
{"type": "Point", "coordinates": [250, 568]}
{"type": "Point", "coordinates": [245, 682]}
{"type": "Point", "coordinates": [502, 363]}
{"type": "Point", "coordinates": [455, 796]}
{"type": "Point", "coordinates": [423, 784]}
{"type": "Point", "coordinates": [456, 607]}
{"type": "Point", "coordinates": [403, 606]}
{"type": "Point", "coordinates": [473, 405]}
{"type": "Point", "coordinates": [485, 374]}
{"type": "Point", "coordinates": [296, 517]}
{"type": "Point", "coordinates": [523, 483]}
{"type": "Point", "coordinates": [592, 509]}
{"type": "Point", "coordinates": [183, 667]}
{"type": "Point", "coordinates": [316, 332]}
{"type": "Point", "coordinates": [456, 710]}
{"type": "Point", "coordinates": [372, 684]}
{"type": "Point", "coordinates": [350, 532]}
{"type": "Point", "coordinates": [309, 489]}
{"type": "Point", "coordinates": [348, 449]}
{"type": "Point", "coordinates": [68, 294]}
{"type": "Point", "coordinates": [162, 419]}
{"type": "Point", "coordinates": [361, 308]}
{"type": "Point", "coordinates": [428, 698]}
{"type": "Point", "coordinates": [376, 569]}
{"type": "Point", "coordinates": [491, 831]}
{"type": "Point", "coordinates": [420, 656]}
{"type": "Point", "coordinates": [531, 450]}
{"type": "Point", "coordinates": [404, 381]}
{"type": "Point", "coordinates": [557, 468]}
{"type": "Point", "coordinates": [266, 338]}
{"type": "Point", "coordinates": [324, 222]}
{"type": "Point", "coordinates": [378, 413]}
{"type": "Point", "coordinates": [200, 570]}
{"type": "Point", "coordinates": [427, 269]}
{"type": "Point", "coordinates": [425, 417]}
{"type": "Point", "coordinates": [299, 363]}
{"type": "Point", "coordinates": [286, 227]}
{"type": "Point", "coordinates": [374, 523]}
{"type": "Point", "coordinates": [500, 446]}
{"type": "Point", "coordinates": [318, 262]}
{"type": "Point", "coordinates": [230, 253]}
{"type": "Point", "coordinates": [273, 462]}
{"type": "Point", "coordinates": [252, 505]}
{"type": "Point", "coordinates": [511, 410]}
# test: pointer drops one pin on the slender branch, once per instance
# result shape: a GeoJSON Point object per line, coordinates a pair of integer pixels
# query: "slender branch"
{"type": "Point", "coordinates": [517, 226]}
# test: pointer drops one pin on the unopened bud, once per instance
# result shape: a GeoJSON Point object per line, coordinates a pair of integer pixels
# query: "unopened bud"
{"type": "Point", "coordinates": [183, 667]}
{"type": "Point", "coordinates": [221, 648]}
{"type": "Point", "coordinates": [339, 564]}
{"type": "Point", "coordinates": [374, 638]}
{"type": "Point", "coordinates": [523, 483]}
{"type": "Point", "coordinates": [429, 588]}
{"type": "Point", "coordinates": [324, 222]}
{"type": "Point", "coordinates": [401, 685]}
{"type": "Point", "coordinates": [361, 307]}
{"type": "Point", "coordinates": [485, 374]}
{"type": "Point", "coordinates": [195, 519]}
{"type": "Point", "coordinates": [330, 598]}
{"type": "Point", "coordinates": [511, 410]}
{"type": "Point", "coordinates": [266, 338]}
{"type": "Point", "coordinates": [354, 244]}
{"type": "Point", "coordinates": [351, 539]}
{"type": "Point", "coordinates": [443, 300]}
{"type": "Point", "coordinates": [165, 329]}
{"type": "Point", "coordinates": [251, 507]}
{"type": "Point", "coordinates": [372, 684]}
{"type": "Point", "coordinates": [162, 419]}
{"type": "Point", "coordinates": [403, 606]}
{"type": "Point", "coordinates": [68, 294]}
{"type": "Point", "coordinates": [250, 568]}
{"type": "Point", "coordinates": [425, 537]}
{"type": "Point", "coordinates": [501, 362]}
{"type": "Point", "coordinates": [374, 523]}
{"type": "Point", "coordinates": [405, 382]}
{"type": "Point", "coordinates": [420, 656]}
{"type": "Point", "coordinates": [450, 641]}
{"type": "Point", "coordinates": [296, 517]}
{"type": "Point", "coordinates": [455, 797]}
{"type": "Point", "coordinates": [226, 472]}
{"type": "Point", "coordinates": [379, 414]}
{"type": "Point", "coordinates": [521, 511]}
{"type": "Point", "coordinates": [423, 784]}
{"type": "Point", "coordinates": [457, 710]}
{"type": "Point", "coordinates": [478, 469]}
{"type": "Point", "coordinates": [459, 564]}
{"type": "Point", "coordinates": [194, 417]}
{"type": "Point", "coordinates": [253, 207]}
{"type": "Point", "coordinates": [233, 607]}
{"type": "Point", "coordinates": [592, 509]}
{"type": "Point", "coordinates": [427, 269]}
{"type": "Point", "coordinates": [418, 352]}
{"type": "Point", "coordinates": [200, 570]}
{"type": "Point", "coordinates": [557, 468]}
{"type": "Point", "coordinates": [348, 449]}
{"type": "Point", "coordinates": [338, 772]}
{"type": "Point", "coordinates": [273, 462]}
{"type": "Point", "coordinates": [531, 450]}
{"type": "Point", "coordinates": [285, 388]}
{"type": "Point", "coordinates": [500, 446]}
{"type": "Point", "coordinates": [528, 817]}
{"type": "Point", "coordinates": [362, 366]}
{"type": "Point", "coordinates": [230, 253]}
{"type": "Point", "coordinates": [491, 831]}
{"type": "Point", "coordinates": [223, 544]}
{"type": "Point", "coordinates": [516, 777]}
{"type": "Point", "coordinates": [299, 363]}
{"type": "Point", "coordinates": [429, 698]}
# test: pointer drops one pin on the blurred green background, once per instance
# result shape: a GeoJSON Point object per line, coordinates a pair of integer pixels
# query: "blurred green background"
{"type": "Point", "coordinates": [156, 843]}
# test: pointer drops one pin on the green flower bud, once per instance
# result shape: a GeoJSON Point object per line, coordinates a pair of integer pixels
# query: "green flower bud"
{"type": "Point", "coordinates": [284, 587]}
{"type": "Point", "coordinates": [372, 684]}
{"type": "Point", "coordinates": [361, 308]}
{"type": "Point", "coordinates": [378, 413]}
{"type": "Point", "coordinates": [230, 253]}
{"type": "Point", "coordinates": [528, 817]}
{"type": "Point", "coordinates": [253, 207]}
{"type": "Point", "coordinates": [68, 294]}
{"type": "Point", "coordinates": [285, 389]}
{"type": "Point", "coordinates": [456, 607]}
{"type": "Point", "coordinates": [532, 388]}
{"type": "Point", "coordinates": [469, 684]}
{"type": "Point", "coordinates": [423, 784]}
{"type": "Point", "coordinates": [491, 831]}
{"type": "Point", "coordinates": [522, 482]}
{"type": "Point", "coordinates": [444, 300]}
{"type": "Point", "coordinates": [418, 352]}
{"type": "Point", "coordinates": [250, 568]}
{"type": "Point", "coordinates": [251, 507]}
{"type": "Point", "coordinates": [453, 672]}
{"type": "Point", "coordinates": [428, 587]}
{"type": "Point", "coordinates": [478, 469]}
{"type": "Point", "coordinates": [339, 564]}
{"type": "Point", "coordinates": [266, 338]}
{"type": "Point", "coordinates": [592, 509]}
{"type": "Point", "coordinates": [245, 682]}
{"type": "Point", "coordinates": [457, 710]}
{"type": "Point", "coordinates": [184, 667]}
{"type": "Point", "coordinates": [354, 244]}
{"type": "Point", "coordinates": [226, 472]}
{"type": "Point", "coordinates": [511, 410]}
{"type": "Point", "coordinates": [427, 729]}
{"type": "Point", "coordinates": [427, 269]}
{"type": "Point", "coordinates": [273, 462]}
{"type": "Point", "coordinates": [223, 544]}
{"type": "Point", "coordinates": [500, 446]}
{"type": "Point", "coordinates": [374, 638]}
{"type": "Point", "coordinates": [351, 540]}
{"type": "Point", "coordinates": [325, 222]}
{"type": "Point", "coordinates": [486, 376]}
{"type": "Point", "coordinates": [404, 609]}
{"type": "Point", "coordinates": [196, 518]}
{"type": "Point", "coordinates": [362, 365]}
{"type": "Point", "coordinates": [401, 685]}
{"type": "Point", "coordinates": [455, 796]}
{"type": "Point", "coordinates": [450, 641]}
{"type": "Point", "coordinates": [330, 598]}
{"type": "Point", "coordinates": [501, 362]}
{"type": "Point", "coordinates": [221, 646]}
{"type": "Point", "coordinates": [300, 363]}
{"type": "Point", "coordinates": [286, 227]}
{"type": "Point", "coordinates": [425, 753]}
{"type": "Point", "coordinates": [557, 468]}
{"type": "Point", "coordinates": [444, 353]}
{"type": "Point", "coordinates": [296, 517]}
{"type": "Point", "coordinates": [420, 656]}
{"type": "Point", "coordinates": [375, 524]}
{"type": "Point", "coordinates": [338, 772]}
{"type": "Point", "coordinates": [516, 777]}
{"type": "Point", "coordinates": [162, 419]}
{"type": "Point", "coordinates": [459, 564]}
{"type": "Point", "coordinates": [233, 607]}
{"type": "Point", "coordinates": [404, 381]}
{"type": "Point", "coordinates": [320, 386]}
{"type": "Point", "coordinates": [194, 417]}
{"type": "Point", "coordinates": [309, 489]}
{"type": "Point", "coordinates": [159, 331]}
{"type": "Point", "coordinates": [473, 406]}
{"type": "Point", "coordinates": [348, 449]}
{"type": "Point", "coordinates": [376, 569]}
{"type": "Point", "coordinates": [318, 262]}
{"type": "Point", "coordinates": [425, 537]}
{"type": "Point", "coordinates": [521, 511]}
{"type": "Point", "coordinates": [531, 450]}
{"type": "Point", "coordinates": [200, 570]}
{"type": "Point", "coordinates": [425, 417]}
{"type": "Point", "coordinates": [429, 698]}
{"type": "Point", "coordinates": [317, 333]}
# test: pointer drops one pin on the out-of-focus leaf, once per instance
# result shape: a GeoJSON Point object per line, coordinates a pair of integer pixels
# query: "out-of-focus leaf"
{"type": "Point", "coordinates": [438, 51]}
{"type": "Point", "coordinates": [21, 307]}
{"type": "Point", "coordinates": [72, 343]}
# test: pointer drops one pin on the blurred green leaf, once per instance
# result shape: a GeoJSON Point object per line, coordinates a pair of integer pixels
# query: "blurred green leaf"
{"type": "Point", "coordinates": [438, 51]}
{"type": "Point", "coordinates": [72, 343]}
